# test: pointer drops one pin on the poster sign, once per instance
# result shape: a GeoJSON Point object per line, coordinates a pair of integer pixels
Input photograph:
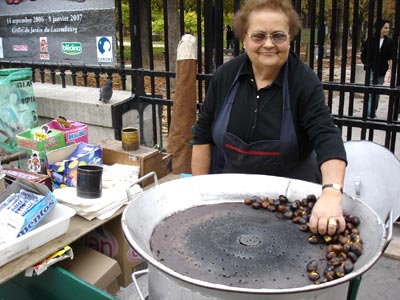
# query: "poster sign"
{"type": "Point", "coordinates": [58, 31]}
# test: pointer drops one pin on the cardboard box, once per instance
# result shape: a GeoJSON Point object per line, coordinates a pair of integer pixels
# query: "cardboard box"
{"type": "Point", "coordinates": [12, 174]}
{"type": "Point", "coordinates": [148, 159]}
{"type": "Point", "coordinates": [109, 240]}
{"type": "Point", "coordinates": [49, 141]}
{"type": "Point", "coordinates": [74, 132]}
{"type": "Point", "coordinates": [38, 147]}
{"type": "Point", "coordinates": [94, 267]}
{"type": "Point", "coordinates": [63, 170]}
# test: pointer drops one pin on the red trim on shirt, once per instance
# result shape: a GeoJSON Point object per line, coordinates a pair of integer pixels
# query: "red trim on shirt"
{"type": "Point", "coordinates": [259, 153]}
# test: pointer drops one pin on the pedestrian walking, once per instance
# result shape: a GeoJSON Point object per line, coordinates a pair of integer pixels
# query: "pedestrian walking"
{"type": "Point", "coordinates": [229, 37]}
{"type": "Point", "coordinates": [376, 55]}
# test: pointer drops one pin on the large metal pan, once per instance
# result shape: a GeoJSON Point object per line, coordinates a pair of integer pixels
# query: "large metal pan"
{"type": "Point", "coordinates": [142, 216]}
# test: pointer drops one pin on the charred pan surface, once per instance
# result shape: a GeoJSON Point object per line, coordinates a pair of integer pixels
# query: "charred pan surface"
{"type": "Point", "coordinates": [233, 245]}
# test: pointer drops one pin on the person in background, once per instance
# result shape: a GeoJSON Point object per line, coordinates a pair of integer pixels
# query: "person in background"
{"type": "Point", "coordinates": [230, 37]}
{"type": "Point", "coordinates": [265, 113]}
{"type": "Point", "coordinates": [376, 55]}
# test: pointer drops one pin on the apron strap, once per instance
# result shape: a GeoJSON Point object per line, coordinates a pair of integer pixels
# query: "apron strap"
{"type": "Point", "coordinates": [221, 124]}
{"type": "Point", "coordinates": [289, 146]}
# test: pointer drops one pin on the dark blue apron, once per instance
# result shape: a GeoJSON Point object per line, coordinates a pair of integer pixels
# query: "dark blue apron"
{"type": "Point", "coordinates": [269, 157]}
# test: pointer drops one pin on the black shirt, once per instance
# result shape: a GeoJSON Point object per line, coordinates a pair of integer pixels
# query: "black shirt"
{"type": "Point", "coordinates": [377, 57]}
{"type": "Point", "coordinates": [256, 114]}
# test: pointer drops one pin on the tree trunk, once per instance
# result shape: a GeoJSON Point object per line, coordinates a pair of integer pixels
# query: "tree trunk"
{"type": "Point", "coordinates": [144, 33]}
{"type": "Point", "coordinates": [339, 31]}
{"type": "Point", "coordinates": [173, 35]}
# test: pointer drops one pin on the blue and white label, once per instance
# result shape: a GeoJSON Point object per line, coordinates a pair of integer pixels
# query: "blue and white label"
{"type": "Point", "coordinates": [104, 49]}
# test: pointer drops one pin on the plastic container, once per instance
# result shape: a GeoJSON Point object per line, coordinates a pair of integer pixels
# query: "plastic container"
{"type": "Point", "coordinates": [54, 224]}
{"type": "Point", "coordinates": [54, 284]}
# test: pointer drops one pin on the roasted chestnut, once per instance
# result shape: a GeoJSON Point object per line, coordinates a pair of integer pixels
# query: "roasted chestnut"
{"type": "Point", "coordinates": [313, 239]}
{"type": "Point", "coordinates": [342, 249]}
{"type": "Point", "coordinates": [265, 204]}
{"type": "Point", "coordinates": [312, 266]}
{"type": "Point", "coordinates": [314, 276]}
{"type": "Point", "coordinates": [303, 227]}
{"type": "Point", "coordinates": [248, 201]}
{"type": "Point", "coordinates": [348, 266]}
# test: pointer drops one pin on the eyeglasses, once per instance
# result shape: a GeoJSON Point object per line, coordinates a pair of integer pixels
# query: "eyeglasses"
{"type": "Point", "coordinates": [260, 37]}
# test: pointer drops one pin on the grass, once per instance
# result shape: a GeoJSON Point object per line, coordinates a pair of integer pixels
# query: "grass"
{"type": "Point", "coordinates": [158, 52]}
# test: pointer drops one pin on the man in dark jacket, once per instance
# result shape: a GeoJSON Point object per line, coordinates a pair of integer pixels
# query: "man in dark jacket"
{"type": "Point", "coordinates": [376, 55]}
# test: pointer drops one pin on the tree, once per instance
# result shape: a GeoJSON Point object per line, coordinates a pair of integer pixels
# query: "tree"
{"type": "Point", "coordinates": [173, 32]}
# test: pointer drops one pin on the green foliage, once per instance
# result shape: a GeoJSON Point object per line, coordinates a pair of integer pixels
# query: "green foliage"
{"type": "Point", "coordinates": [190, 22]}
{"type": "Point", "coordinates": [158, 52]}
{"type": "Point", "coordinates": [158, 22]}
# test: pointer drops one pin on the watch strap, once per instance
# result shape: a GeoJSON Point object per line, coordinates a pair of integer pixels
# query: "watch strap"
{"type": "Point", "coordinates": [334, 186]}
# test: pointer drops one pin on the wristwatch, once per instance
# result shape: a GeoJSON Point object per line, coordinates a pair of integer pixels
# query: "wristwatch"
{"type": "Point", "coordinates": [334, 186]}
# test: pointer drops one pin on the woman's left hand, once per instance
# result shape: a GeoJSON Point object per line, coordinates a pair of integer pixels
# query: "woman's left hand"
{"type": "Point", "coordinates": [327, 214]}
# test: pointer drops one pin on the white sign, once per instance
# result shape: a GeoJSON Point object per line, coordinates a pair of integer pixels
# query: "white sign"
{"type": "Point", "coordinates": [104, 49]}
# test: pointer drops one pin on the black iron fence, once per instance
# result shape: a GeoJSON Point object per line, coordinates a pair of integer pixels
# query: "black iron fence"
{"type": "Point", "coordinates": [329, 43]}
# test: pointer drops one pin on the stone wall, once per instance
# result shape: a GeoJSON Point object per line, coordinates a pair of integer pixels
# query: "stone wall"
{"type": "Point", "coordinates": [82, 104]}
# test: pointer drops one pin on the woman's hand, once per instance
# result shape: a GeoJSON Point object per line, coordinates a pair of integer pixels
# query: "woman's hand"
{"type": "Point", "coordinates": [327, 213]}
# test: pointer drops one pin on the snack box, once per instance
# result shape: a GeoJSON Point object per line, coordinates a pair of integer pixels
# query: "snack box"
{"type": "Point", "coordinates": [47, 141]}
{"type": "Point", "coordinates": [37, 142]}
{"type": "Point", "coordinates": [62, 164]}
{"type": "Point", "coordinates": [12, 174]}
{"type": "Point", "coordinates": [74, 132]}
{"type": "Point", "coordinates": [53, 224]}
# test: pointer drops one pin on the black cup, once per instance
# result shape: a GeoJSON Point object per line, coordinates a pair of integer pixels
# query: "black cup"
{"type": "Point", "coordinates": [88, 182]}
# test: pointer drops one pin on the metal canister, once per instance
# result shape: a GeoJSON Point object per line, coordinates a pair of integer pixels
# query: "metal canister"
{"type": "Point", "coordinates": [130, 138]}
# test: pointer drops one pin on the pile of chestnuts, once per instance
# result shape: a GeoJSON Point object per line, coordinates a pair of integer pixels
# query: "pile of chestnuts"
{"type": "Point", "coordinates": [343, 249]}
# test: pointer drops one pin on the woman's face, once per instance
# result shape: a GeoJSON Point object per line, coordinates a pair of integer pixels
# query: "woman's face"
{"type": "Point", "coordinates": [267, 53]}
{"type": "Point", "coordinates": [385, 29]}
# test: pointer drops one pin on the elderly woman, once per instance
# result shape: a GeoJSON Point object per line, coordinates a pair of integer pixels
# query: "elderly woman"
{"type": "Point", "coordinates": [265, 113]}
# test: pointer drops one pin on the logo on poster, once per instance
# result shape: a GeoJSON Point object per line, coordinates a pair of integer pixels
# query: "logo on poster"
{"type": "Point", "coordinates": [20, 47]}
{"type": "Point", "coordinates": [104, 49]}
{"type": "Point", "coordinates": [71, 48]}
{"type": "Point", "coordinates": [44, 56]}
